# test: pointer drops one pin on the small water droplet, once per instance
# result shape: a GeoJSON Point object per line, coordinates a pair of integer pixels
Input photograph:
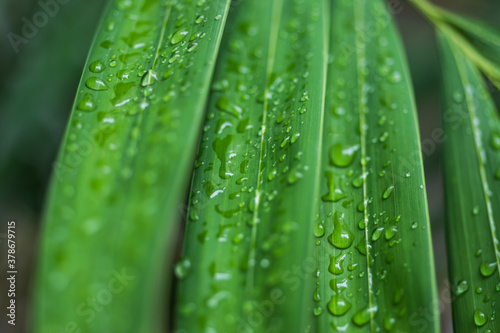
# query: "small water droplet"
{"type": "Point", "coordinates": [458, 97]}
{"type": "Point", "coordinates": [495, 140]}
{"type": "Point", "coordinates": [462, 287]}
{"type": "Point", "coordinates": [182, 268]}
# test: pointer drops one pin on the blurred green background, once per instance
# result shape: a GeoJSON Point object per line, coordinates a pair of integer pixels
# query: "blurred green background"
{"type": "Point", "coordinates": [39, 82]}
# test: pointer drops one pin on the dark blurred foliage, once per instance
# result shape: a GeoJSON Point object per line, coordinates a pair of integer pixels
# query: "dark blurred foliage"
{"type": "Point", "coordinates": [37, 87]}
{"type": "Point", "coordinates": [38, 84]}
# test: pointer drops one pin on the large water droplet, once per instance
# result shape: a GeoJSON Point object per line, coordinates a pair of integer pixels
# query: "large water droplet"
{"type": "Point", "coordinates": [487, 269]}
{"type": "Point", "coordinates": [149, 78]}
{"type": "Point", "coordinates": [97, 66]}
{"type": "Point", "coordinates": [342, 156]}
{"type": "Point", "coordinates": [95, 83]}
{"type": "Point", "coordinates": [86, 103]}
{"type": "Point", "coordinates": [178, 36]}
{"type": "Point", "coordinates": [341, 237]}
{"type": "Point", "coordinates": [335, 192]}
{"type": "Point", "coordinates": [388, 191]}
{"type": "Point", "coordinates": [336, 264]}
{"type": "Point", "coordinates": [480, 318]}
{"type": "Point", "coordinates": [362, 317]}
{"type": "Point", "coordinates": [338, 306]}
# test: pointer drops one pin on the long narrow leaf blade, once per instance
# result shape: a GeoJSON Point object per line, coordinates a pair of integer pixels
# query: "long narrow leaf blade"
{"type": "Point", "coordinates": [479, 42]}
{"type": "Point", "coordinates": [256, 185]}
{"type": "Point", "coordinates": [472, 185]}
{"type": "Point", "coordinates": [374, 251]}
{"type": "Point", "coordinates": [124, 164]}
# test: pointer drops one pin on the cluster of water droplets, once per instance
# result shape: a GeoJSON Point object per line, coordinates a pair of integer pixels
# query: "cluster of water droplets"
{"type": "Point", "coordinates": [355, 229]}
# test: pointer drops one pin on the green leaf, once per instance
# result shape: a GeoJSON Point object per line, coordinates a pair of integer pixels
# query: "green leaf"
{"type": "Point", "coordinates": [478, 41]}
{"type": "Point", "coordinates": [124, 164]}
{"type": "Point", "coordinates": [472, 185]}
{"type": "Point", "coordinates": [246, 261]}
{"type": "Point", "coordinates": [376, 269]}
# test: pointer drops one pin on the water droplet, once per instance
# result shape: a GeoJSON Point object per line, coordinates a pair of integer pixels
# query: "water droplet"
{"type": "Point", "coordinates": [97, 66]}
{"type": "Point", "coordinates": [342, 156]}
{"type": "Point", "coordinates": [149, 78]}
{"type": "Point", "coordinates": [124, 5]}
{"type": "Point", "coordinates": [391, 232]}
{"type": "Point", "coordinates": [192, 47]}
{"type": "Point", "coordinates": [362, 317]}
{"type": "Point", "coordinates": [218, 17]}
{"type": "Point", "coordinates": [335, 192]}
{"type": "Point", "coordinates": [475, 210]}
{"type": "Point", "coordinates": [377, 233]}
{"type": "Point", "coordinates": [480, 318]}
{"type": "Point", "coordinates": [336, 264]}
{"type": "Point", "coordinates": [338, 306]}
{"type": "Point", "coordinates": [383, 137]}
{"type": "Point", "coordinates": [86, 103]}
{"type": "Point", "coordinates": [319, 231]}
{"type": "Point", "coordinates": [487, 269]}
{"type": "Point", "coordinates": [414, 225]}
{"type": "Point", "coordinates": [342, 237]}
{"type": "Point", "coordinates": [395, 77]}
{"type": "Point", "coordinates": [318, 311]}
{"type": "Point", "coordinates": [294, 175]}
{"type": "Point", "coordinates": [178, 36]}
{"type": "Point", "coordinates": [182, 268]}
{"type": "Point", "coordinates": [199, 19]}
{"type": "Point", "coordinates": [389, 322]}
{"type": "Point", "coordinates": [458, 97]}
{"type": "Point", "coordinates": [388, 191]}
{"type": "Point", "coordinates": [95, 83]}
{"type": "Point", "coordinates": [462, 287]}
{"type": "Point", "coordinates": [221, 147]}
{"type": "Point", "coordinates": [495, 141]}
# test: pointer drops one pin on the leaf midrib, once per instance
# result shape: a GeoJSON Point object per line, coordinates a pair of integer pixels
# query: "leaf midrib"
{"type": "Point", "coordinates": [277, 9]}
{"type": "Point", "coordinates": [360, 54]}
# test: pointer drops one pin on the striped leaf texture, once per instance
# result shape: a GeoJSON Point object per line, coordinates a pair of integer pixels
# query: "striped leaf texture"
{"type": "Point", "coordinates": [472, 184]}
{"type": "Point", "coordinates": [124, 164]}
{"type": "Point", "coordinates": [376, 269]}
{"type": "Point", "coordinates": [247, 264]}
